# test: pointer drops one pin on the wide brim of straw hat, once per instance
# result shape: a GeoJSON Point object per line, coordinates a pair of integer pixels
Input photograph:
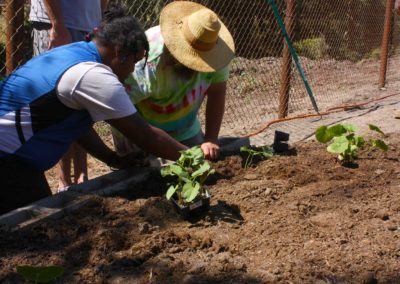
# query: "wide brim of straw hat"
{"type": "Point", "coordinates": [171, 20]}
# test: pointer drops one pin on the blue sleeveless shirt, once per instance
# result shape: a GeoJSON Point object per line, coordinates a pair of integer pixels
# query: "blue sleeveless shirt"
{"type": "Point", "coordinates": [35, 126]}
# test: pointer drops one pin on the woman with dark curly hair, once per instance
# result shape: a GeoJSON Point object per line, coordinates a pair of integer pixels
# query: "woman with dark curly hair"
{"type": "Point", "coordinates": [55, 98]}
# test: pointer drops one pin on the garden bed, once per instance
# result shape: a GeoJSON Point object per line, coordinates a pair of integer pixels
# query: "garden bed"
{"type": "Point", "coordinates": [299, 217]}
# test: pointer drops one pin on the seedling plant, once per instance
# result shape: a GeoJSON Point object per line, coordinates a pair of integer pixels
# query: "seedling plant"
{"type": "Point", "coordinates": [345, 143]}
{"type": "Point", "coordinates": [263, 152]}
{"type": "Point", "coordinates": [190, 172]}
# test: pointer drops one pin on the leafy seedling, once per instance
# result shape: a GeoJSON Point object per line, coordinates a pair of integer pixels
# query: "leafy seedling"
{"type": "Point", "coordinates": [190, 172]}
{"type": "Point", "coordinates": [263, 152]}
{"type": "Point", "coordinates": [345, 143]}
{"type": "Point", "coordinates": [40, 274]}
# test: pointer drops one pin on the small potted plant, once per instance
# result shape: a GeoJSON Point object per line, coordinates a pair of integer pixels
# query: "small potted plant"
{"type": "Point", "coordinates": [187, 191]}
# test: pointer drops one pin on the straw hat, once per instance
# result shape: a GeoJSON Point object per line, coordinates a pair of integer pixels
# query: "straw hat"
{"type": "Point", "coordinates": [196, 37]}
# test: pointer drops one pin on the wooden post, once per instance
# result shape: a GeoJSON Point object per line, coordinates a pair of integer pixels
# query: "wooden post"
{"type": "Point", "coordinates": [14, 34]}
{"type": "Point", "coordinates": [286, 61]}
{"type": "Point", "coordinates": [386, 42]}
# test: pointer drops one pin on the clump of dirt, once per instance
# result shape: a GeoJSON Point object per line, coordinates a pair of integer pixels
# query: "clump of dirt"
{"type": "Point", "coordinates": [299, 217]}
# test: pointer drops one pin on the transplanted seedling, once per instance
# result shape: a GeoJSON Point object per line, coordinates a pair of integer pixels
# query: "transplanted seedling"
{"type": "Point", "coordinates": [345, 142]}
{"type": "Point", "coordinates": [263, 152]}
{"type": "Point", "coordinates": [190, 172]}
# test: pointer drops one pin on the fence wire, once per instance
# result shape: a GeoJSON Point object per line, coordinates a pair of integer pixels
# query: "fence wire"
{"type": "Point", "coordinates": [338, 43]}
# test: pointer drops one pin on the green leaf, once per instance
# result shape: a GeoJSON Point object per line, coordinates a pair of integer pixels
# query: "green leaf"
{"type": "Point", "coordinates": [171, 170]}
{"type": "Point", "coordinates": [171, 190]}
{"type": "Point", "coordinates": [359, 141]}
{"type": "Point", "coordinates": [245, 149]}
{"type": "Point", "coordinates": [340, 145]}
{"type": "Point", "coordinates": [353, 150]}
{"type": "Point", "coordinates": [43, 274]}
{"type": "Point", "coordinates": [267, 152]}
{"type": "Point", "coordinates": [198, 155]}
{"type": "Point", "coordinates": [193, 156]}
{"type": "Point", "coordinates": [194, 192]}
{"type": "Point", "coordinates": [379, 144]}
{"type": "Point", "coordinates": [375, 128]}
{"type": "Point", "coordinates": [249, 150]}
{"type": "Point", "coordinates": [337, 130]}
{"type": "Point", "coordinates": [185, 177]}
{"type": "Point", "coordinates": [322, 135]}
{"type": "Point", "coordinates": [200, 171]}
{"type": "Point", "coordinates": [187, 189]}
{"type": "Point", "coordinates": [349, 127]}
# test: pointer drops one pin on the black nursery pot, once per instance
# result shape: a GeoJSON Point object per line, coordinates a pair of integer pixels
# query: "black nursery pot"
{"type": "Point", "coordinates": [280, 142]}
{"type": "Point", "coordinates": [281, 136]}
{"type": "Point", "coordinates": [194, 210]}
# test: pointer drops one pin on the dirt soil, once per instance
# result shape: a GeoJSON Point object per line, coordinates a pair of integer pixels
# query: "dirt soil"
{"type": "Point", "coordinates": [299, 217]}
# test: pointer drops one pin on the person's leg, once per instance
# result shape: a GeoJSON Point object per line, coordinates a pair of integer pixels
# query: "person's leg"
{"type": "Point", "coordinates": [41, 37]}
{"type": "Point", "coordinates": [64, 170]}
{"type": "Point", "coordinates": [79, 158]}
{"type": "Point", "coordinates": [76, 155]}
{"type": "Point", "coordinates": [20, 185]}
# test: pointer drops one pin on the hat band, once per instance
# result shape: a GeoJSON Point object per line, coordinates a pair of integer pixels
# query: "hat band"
{"type": "Point", "coordinates": [194, 41]}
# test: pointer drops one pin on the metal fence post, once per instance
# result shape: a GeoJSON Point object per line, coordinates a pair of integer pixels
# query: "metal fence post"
{"type": "Point", "coordinates": [386, 42]}
{"type": "Point", "coordinates": [286, 61]}
{"type": "Point", "coordinates": [14, 34]}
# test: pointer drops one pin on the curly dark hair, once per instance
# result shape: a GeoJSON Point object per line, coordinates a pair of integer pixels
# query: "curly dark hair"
{"type": "Point", "coordinates": [122, 31]}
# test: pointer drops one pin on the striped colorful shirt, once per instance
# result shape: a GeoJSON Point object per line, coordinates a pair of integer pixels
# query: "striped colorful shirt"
{"type": "Point", "coordinates": [163, 98]}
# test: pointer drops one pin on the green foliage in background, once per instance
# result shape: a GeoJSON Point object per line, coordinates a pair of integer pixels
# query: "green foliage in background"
{"type": "Point", "coordinates": [375, 54]}
{"type": "Point", "coordinates": [313, 48]}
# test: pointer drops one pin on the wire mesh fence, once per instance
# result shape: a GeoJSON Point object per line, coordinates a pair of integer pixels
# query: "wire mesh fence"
{"type": "Point", "coordinates": [338, 43]}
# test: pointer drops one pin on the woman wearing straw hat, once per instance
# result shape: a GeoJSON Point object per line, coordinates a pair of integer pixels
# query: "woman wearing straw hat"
{"type": "Point", "coordinates": [188, 59]}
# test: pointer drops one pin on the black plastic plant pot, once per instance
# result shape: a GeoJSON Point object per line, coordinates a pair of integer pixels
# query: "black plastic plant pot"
{"type": "Point", "coordinates": [280, 147]}
{"type": "Point", "coordinates": [194, 210]}
{"type": "Point", "coordinates": [281, 136]}
{"type": "Point", "coordinates": [280, 140]}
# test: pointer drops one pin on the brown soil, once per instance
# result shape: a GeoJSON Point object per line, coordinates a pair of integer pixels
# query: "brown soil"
{"type": "Point", "coordinates": [296, 218]}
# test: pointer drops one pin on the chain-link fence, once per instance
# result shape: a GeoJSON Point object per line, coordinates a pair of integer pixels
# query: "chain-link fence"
{"type": "Point", "coordinates": [338, 43]}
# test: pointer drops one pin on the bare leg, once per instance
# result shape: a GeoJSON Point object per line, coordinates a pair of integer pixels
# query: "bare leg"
{"type": "Point", "coordinates": [79, 158]}
{"type": "Point", "coordinates": [64, 170]}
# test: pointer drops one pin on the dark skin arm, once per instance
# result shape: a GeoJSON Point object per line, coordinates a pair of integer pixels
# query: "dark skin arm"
{"type": "Point", "coordinates": [59, 34]}
{"type": "Point", "coordinates": [104, 4]}
{"type": "Point", "coordinates": [93, 144]}
{"type": "Point", "coordinates": [148, 138]}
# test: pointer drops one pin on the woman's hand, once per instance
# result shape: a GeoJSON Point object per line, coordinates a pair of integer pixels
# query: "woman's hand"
{"type": "Point", "coordinates": [210, 150]}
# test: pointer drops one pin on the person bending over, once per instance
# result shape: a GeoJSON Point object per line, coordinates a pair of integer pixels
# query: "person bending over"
{"type": "Point", "coordinates": [189, 58]}
{"type": "Point", "coordinates": [55, 98]}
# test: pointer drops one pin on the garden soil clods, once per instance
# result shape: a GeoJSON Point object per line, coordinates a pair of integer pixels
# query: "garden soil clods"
{"type": "Point", "coordinates": [295, 218]}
